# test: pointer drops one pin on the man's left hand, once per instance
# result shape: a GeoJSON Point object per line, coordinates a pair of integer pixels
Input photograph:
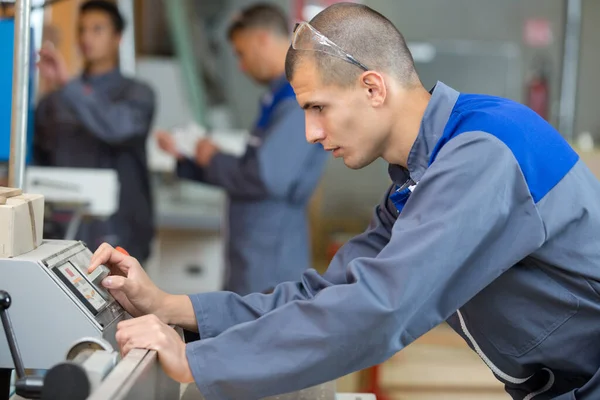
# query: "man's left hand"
{"type": "Point", "coordinates": [205, 151]}
{"type": "Point", "coordinates": [149, 332]}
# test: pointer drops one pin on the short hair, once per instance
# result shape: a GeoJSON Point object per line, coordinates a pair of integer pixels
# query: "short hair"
{"type": "Point", "coordinates": [368, 36]}
{"type": "Point", "coordinates": [261, 15]}
{"type": "Point", "coordinates": [107, 7]}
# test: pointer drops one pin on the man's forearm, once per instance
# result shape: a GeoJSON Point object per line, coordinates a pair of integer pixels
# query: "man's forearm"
{"type": "Point", "coordinates": [178, 310]}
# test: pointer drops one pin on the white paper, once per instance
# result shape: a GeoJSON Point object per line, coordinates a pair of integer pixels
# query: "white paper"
{"type": "Point", "coordinates": [228, 141]}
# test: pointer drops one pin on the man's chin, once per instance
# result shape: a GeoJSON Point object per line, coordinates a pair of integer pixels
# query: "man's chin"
{"type": "Point", "coordinates": [356, 164]}
{"type": "Point", "coordinates": [352, 165]}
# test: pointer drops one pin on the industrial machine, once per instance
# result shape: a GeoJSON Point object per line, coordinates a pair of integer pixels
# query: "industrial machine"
{"type": "Point", "coordinates": [56, 303]}
{"type": "Point", "coordinates": [63, 322]}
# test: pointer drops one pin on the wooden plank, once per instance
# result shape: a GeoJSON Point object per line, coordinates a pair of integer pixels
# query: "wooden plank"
{"type": "Point", "coordinates": [429, 366]}
{"type": "Point", "coordinates": [439, 365]}
{"type": "Point", "coordinates": [7, 192]}
{"type": "Point", "coordinates": [449, 395]}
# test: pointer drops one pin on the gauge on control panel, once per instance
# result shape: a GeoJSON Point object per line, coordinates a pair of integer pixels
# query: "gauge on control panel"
{"type": "Point", "coordinates": [81, 287]}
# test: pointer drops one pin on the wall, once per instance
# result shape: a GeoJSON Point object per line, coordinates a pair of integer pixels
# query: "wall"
{"type": "Point", "coordinates": [486, 22]}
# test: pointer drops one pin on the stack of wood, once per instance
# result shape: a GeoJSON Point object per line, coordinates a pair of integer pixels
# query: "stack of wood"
{"type": "Point", "coordinates": [439, 365]}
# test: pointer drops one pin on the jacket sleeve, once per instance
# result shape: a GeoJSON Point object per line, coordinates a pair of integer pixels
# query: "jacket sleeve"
{"type": "Point", "coordinates": [188, 169]}
{"type": "Point", "coordinates": [43, 137]}
{"type": "Point", "coordinates": [114, 122]}
{"type": "Point", "coordinates": [279, 167]}
{"type": "Point", "coordinates": [218, 311]}
{"type": "Point", "coordinates": [470, 218]}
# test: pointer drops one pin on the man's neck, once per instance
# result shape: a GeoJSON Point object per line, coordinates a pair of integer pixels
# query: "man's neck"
{"type": "Point", "coordinates": [406, 126]}
{"type": "Point", "coordinates": [100, 67]}
{"type": "Point", "coordinates": [278, 67]}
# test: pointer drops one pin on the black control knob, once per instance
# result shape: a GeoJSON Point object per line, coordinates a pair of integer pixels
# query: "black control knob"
{"type": "Point", "coordinates": [5, 300]}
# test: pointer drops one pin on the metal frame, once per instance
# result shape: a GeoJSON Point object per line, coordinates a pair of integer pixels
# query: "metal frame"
{"type": "Point", "coordinates": [138, 376]}
{"type": "Point", "coordinates": [568, 92]}
{"type": "Point", "coordinates": [127, 48]}
{"type": "Point", "coordinates": [20, 95]}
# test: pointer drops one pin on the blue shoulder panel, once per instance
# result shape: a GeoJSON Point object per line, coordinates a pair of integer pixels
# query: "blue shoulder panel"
{"type": "Point", "coordinates": [282, 93]}
{"type": "Point", "coordinates": [543, 155]}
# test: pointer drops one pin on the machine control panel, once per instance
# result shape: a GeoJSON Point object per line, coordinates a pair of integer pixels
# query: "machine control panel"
{"type": "Point", "coordinates": [70, 268]}
{"type": "Point", "coordinates": [56, 303]}
{"type": "Point", "coordinates": [83, 289]}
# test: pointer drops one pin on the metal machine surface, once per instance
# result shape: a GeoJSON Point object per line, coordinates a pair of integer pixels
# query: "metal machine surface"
{"type": "Point", "coordinates": [56, 303]}
{"type": "Point", "coordinates": [91, 370]}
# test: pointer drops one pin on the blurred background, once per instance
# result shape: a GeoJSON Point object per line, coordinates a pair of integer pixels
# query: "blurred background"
{"type": "Point", "coordinates": [538, 52]}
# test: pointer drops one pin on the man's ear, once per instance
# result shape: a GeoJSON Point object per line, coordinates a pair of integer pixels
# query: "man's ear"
{"type": "Point", "coordinates": [374, 85]}
{"type": "Point", "coordinates": [262, 37]}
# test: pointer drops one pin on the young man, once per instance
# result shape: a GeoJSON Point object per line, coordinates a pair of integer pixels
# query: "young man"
{"type": "Point", "coordinates": [100, 119]}
{"type": "Point", "coordinates": [270, 186]}
{"type": "Point", "coordinates": [491, 224]}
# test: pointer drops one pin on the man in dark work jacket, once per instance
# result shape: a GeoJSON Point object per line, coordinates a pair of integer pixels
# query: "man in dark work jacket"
{"type": "Point", "coordinates": [100, 119]}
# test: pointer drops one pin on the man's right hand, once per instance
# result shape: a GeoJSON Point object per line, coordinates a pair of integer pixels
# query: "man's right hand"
{"type": "Point", "coordinates": [52, 66]}
{"type": "Point", "coordinates": [128, 282]}
{"type": "Point", "coordinates": [166, 142]}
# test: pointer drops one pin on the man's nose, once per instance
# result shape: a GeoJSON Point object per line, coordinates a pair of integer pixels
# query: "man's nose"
{"type": "Point", "coordinates": [314, 131]}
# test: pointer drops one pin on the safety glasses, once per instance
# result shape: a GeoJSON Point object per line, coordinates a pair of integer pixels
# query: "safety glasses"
{"type": "Point", "coordinates": [308, 38]}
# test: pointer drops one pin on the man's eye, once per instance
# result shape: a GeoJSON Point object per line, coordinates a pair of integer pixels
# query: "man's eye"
{"type": "Point", "coordinates": [318, 108]}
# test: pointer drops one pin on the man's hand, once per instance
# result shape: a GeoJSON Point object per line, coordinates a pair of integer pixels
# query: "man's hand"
{"type": "Point", "coordinates": [205, 151]}
{"type": "Point", "coordinates": [166, 142]}
{"type": "Point", "coordinates": [149, 332]}
{"type": "Point", "coordinates": [128, 283]}
{"type": "Point", "coordinates": [52, 66]}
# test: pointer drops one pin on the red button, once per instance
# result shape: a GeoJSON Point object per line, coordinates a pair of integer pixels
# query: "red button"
{"type": "Point", "coordinates": [121, 250]}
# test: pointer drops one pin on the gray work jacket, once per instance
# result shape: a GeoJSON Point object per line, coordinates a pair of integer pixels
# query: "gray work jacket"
{"type": "Point", "coordinates": [494, 228]}
{"type": "Point", "coordinates": [268, 191]}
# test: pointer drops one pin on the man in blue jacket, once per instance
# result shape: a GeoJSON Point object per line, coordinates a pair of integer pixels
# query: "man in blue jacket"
{"type": "Point", "coordinates": [491, 224]}
{"type": "Point", "coordinates": [100, 119]}
{"type": "Point", "coordinates": [269, 187]}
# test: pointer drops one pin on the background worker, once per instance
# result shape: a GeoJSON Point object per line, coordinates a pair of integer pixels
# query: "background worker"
{"type": "Point", "coordinates": [100, 119]}
{"type": "Point", "coordinates": [270, 186]}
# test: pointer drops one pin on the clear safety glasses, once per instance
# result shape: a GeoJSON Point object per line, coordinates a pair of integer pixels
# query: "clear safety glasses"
{"type": "Point", "coordinates": [308, 38]}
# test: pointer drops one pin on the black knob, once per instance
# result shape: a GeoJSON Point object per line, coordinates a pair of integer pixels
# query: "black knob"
{"type": "Point", "coordinates": [66, 381]}
{"type": "Point", "coordinates": [4, 300]}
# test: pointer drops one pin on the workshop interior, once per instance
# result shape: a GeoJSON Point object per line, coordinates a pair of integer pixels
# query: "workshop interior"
{"type": "Point", "coordinates": [58, 322]}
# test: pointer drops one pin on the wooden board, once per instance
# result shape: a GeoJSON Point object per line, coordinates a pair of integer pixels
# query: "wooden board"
{"type": "Point", "coordinates": [6, 192]}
